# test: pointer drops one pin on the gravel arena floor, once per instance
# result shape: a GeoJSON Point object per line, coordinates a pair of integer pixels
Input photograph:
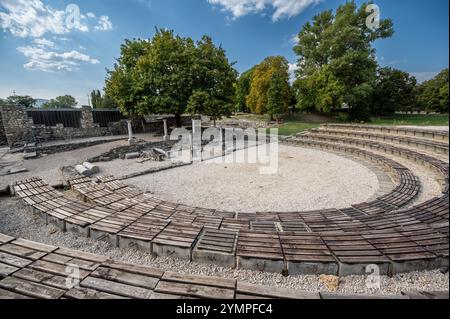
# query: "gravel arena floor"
{"type": "Point", "coordinates": [306, 180]}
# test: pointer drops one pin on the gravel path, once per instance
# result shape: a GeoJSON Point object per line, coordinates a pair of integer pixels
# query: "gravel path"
{"type": "Point", "coordinates": [47, 167]}
{"type": "Point", "coordinates": [306, 180]}
{"type": "Point", "coordinates": [16, 220]}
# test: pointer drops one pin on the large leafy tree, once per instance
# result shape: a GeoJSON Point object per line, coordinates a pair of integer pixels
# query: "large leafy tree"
{"type": "Point", "coordinates": [339, 46]}
{"type": "Point", "coordinates": [61, 102]}
{"type": "Point", "coordinates": [242, 90]}
{"type": "Point", "coordinates": [121, 83]}
{"type": "Point", "coordinates": [394, 92]}
{"type": "Point", "coordinates": [272, 69]}
{"type": "Point", "coordinates": [160, 75]}
{"type": "Point", "coordinates": [20, 100]}
{"type": "Point", "coordinates": [433, 94]}
{"type": "Point", "coordinates": [214, 79]}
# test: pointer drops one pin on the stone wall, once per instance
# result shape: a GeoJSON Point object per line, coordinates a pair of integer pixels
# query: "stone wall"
{"type": "Point", "coordinates": [19, 128]}
{"type": "Point", "coordinates": [3, 140]}
{"type": "Point", "coordinates": [16, 124]}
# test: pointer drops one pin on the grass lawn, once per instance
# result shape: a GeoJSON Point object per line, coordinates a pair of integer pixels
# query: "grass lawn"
{"type": "Point", "coordinates": [302, 122]}
{"type": "Point", "coordinates": [415, 119]}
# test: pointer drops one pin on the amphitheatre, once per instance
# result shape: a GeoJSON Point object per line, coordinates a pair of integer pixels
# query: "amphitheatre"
{"type": "Point", "coordinates": [347, 201]}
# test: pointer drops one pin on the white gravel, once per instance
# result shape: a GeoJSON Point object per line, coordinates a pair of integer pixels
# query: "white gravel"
{"type": "Point", "coordinates": [17, 221]}
{"type": "Point", "coordinates": [306, 180]}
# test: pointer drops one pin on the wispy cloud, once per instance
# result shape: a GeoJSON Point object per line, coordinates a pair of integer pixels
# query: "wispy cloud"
{"type": "Point", "coordinates": [31, 18]}
{"type": "Point", "coordinates": [282, 8]}
{"type": "Point", "coordinates": [424, 76]}
{"type": "Point", "coordinates": [104, 24]}
{"type": "Point", "coordinates": [42, 59]}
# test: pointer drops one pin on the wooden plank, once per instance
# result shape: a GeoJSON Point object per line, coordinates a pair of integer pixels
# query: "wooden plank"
{"type": "Point", "coordinates": [56, 269]}
{"type": "Point", "coordinates": [116, 288]}
{"type": "Point", "coordinates": [30, 288]}
{"type": "Point", "coordinates": [22, 251]}
{"type": "Point", "coordinates": [82, 255]}
{"type": "Point", "coordinates": [86, 293]}
{"type": "Point", "coordinates": [273, 292]}
{"type": "Point", "coordinates": [201, 280]}
{"type": "Point", "coordinates": [136, 269]}
{"type": "Point", "coordinates": [6, 270]}
{"type": "Point", "coordinates": [14, 260]}
{"type": "Point", "coordinates": [5, 294]}
{"type": "Point", "coordinates": [33, 245]}
{"type": "Point", "coordinates": [125, 277]}
{"type": "Point", "coordinates": [5, 239]}
{"type": "Point", "coordinates": [192, 290]}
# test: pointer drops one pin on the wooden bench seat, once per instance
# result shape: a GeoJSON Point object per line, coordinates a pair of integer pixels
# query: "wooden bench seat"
{"type": "Point", "coordinates": [306, 253]}
{"type": "Point", "coordinates": [260, 251]}
{"type": "Point", "coordinates": [176, 240]}
{"type": "Point", "coordinates": [354, 253]}
{"type": "Point", "coordinates": [216, 247]}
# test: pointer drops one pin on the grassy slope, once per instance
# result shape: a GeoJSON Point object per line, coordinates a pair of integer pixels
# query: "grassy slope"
{"type": "Point", "coordinates": [299, 123]}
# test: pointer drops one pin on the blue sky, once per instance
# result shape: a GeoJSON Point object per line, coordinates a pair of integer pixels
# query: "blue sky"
{"type": "Point", "coordinates": [45, 53]}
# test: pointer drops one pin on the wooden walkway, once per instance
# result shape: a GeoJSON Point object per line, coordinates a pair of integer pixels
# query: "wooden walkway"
{"type": "Point", "coordinates": [30, 270]}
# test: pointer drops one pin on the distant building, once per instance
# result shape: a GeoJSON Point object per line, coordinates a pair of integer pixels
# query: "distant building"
{"type": "Point", "coordinates": [39, 102]}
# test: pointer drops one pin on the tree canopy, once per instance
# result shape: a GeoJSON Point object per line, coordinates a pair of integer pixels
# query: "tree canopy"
{"type": "Point", "coordinates": [61, 102]}
{"type": "Point", "coordinates": [20, 100]}
{"type": "Point", "coordinates": [242, 90]}
{"type": "Point", "coordinates": [101, 102]}
{"type": "Point", "coordinates": [273, 71]}
{"type": "Point", "coordinates": [335, 53]}
{"type": "Point", "coordinates": [394, 91]}
{"type": "Point", "coordinates": [433, 94]}
{"type": "Point", "coordinates": [168, 73]}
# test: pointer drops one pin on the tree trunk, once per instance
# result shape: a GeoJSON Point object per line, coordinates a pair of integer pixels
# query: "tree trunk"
{"type": "Point", "coordinates": [143, 125]}
{"type": "Point", "coordinates": [178, 119]}
{"type": "Point", "coordinates": [215, 123]}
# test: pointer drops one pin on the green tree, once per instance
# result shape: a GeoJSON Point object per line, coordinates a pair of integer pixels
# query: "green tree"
{"type": "Point", "coordinates": [243, 90]}
{"type": "Point", "coordinates": [278, 97]}
{"type": "Point", "coordinates": [61, 102]}
{"type": "Point", "coordinates": [342, 42]}
{"type": "Point", "coordinates": [213, 93]}
{"type": "Point", "coordinates": [270, 70]}
{"type": "Point", "coordinates": [21, 100]}
{"type": "Point", "coordinates": [100, 101]}
{"type": "Point", "coordinates": [433, 94]}
{"type": "Point", "coordinates": [96, 99]}
{"type": "Point", "coordinates": [394, 92]}
{"type": "Point", "coordinates": [160, 75]}
{"type": "Point", "coordinates": [320, 91]}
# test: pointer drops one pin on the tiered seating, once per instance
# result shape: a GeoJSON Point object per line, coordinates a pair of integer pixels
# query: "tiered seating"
{"type": "Point", "coordinates": [428, 145]}
{"type": "Point", "coordinates": [334, 241]}
{"type": "Point", "coordinates": [423, 133]}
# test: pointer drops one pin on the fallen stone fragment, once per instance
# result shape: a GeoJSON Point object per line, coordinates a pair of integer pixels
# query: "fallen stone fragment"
{"type": "Point", "coordinates": [331, 282]}
{"type": "Point", "coordinates": [93, 168]}
{"type": "Point", "coordinates": [83, 170]}
{"type": "Point", "coordinates": [31, 155]}
{"type": "Point", "coordinates": [13, 171]}
{"type": "Point", "coordinates": [132, 155]}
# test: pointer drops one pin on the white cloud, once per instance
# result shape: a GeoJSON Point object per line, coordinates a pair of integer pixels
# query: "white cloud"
{"type": "Point", "coordinates": [31, 18]}
{"type": "Point", "coordinates": [282, 8]}
{"type": "Point", "coordinates": [292, 68]}
{"type": "Point", "coordinates": [44, 43]}
{"type": "Point", "coordinates": [51, 61]}
{"type": "Point", "coordinates": [424, 76]}
{"type": "Point", "coordinates": [104, 24]}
